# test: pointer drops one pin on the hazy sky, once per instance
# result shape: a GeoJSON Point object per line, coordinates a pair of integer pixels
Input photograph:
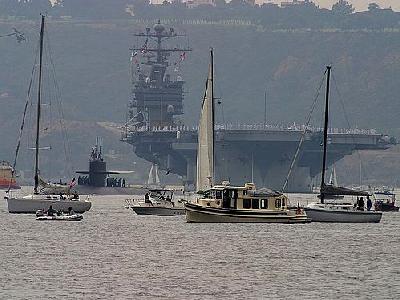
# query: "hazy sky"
{"type": "Point", "coordinates": [358, 4]}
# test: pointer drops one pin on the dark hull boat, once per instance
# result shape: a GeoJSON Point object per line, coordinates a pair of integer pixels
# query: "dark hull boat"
{"type": "Point", "coordinates": [158, 211]}
{"type": "Point", "coordinates": [382, 206]}
{"type": "Point", "coordinates": [385, 201]}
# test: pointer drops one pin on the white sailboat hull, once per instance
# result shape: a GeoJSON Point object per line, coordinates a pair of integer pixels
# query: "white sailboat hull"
{"type": "Point", "coordinates": [30, 204]}
{"type": "Point", "coordinates": [338, 215]}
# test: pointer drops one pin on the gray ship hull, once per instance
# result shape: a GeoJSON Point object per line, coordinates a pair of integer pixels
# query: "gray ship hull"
{"type": "Point", "coordinates": [92, 190]}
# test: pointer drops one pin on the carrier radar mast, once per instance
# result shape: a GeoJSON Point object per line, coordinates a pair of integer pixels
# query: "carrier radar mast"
{"type": "Point", "coordinates": [157, 97]}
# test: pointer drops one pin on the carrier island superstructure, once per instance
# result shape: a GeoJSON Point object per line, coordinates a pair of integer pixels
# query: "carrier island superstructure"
{"type": "Point", "coordinates": [258, 153]}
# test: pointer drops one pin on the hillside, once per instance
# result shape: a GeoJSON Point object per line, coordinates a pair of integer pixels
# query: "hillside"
{"type": "Point", "coordinates": [91, 57]}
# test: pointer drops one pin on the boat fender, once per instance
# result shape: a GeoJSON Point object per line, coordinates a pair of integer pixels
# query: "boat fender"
{"type": "Point", "coordinates": [217, 202]}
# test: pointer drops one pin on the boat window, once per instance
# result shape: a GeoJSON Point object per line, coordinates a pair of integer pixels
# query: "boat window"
{"type": "Point", "coordinates": [233, 203]}
{"type": "Point", "coordinates": [244, 192]}
{"type": "Point", "coordinates": [277, 203]}
{"type": "Point", "coordinates": [264, 203]}
{"type": "Point", "coordinates": [226, 200]}
{"type": "Point", "coordinates": [218, 194]}
{"type": "Point", "coordinates": [255, 203]}
{"type": "Point", "coordinates": [283, 202]}
{"type": "Point", "coordinates": [234, 194]}
{"type": "Point", "coordinates": [246, 203]}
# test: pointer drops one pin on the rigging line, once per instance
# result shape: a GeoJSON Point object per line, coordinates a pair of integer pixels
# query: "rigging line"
{"type": "Point", "coordinates": [304, 132]}
{"type": "Point", "coordinates": [21, 129]}
{"type": "Point", "coordinates": [63, 128]}
{"type": "Point", "coordinates": [49, 91]}
{"type": "Point", "coordinates": [223, 142]}
{"type": "Point", "coordinates": [219, 99]}
{"type": "Point", "coordinates": [341, 100]}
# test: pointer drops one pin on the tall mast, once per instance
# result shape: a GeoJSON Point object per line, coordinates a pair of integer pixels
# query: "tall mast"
{"type": "Point", "coordinates": [265, 109]}
{"type": "Point", "coordinates": [328, 76]}
{"type": "Point", "coordinates": [38, 108]}
{"type": "Point", "coordinates": [213, 114]}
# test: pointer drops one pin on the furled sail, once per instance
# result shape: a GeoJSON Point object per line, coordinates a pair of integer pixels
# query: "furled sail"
{"type": "Point", "coordinates": [338, 190]}
{"type": "Point", "coordinates": [48, 188]}
{"type": "Point", "coordinates": [205, 146]}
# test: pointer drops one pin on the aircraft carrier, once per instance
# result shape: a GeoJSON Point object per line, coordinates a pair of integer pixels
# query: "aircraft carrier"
{"type": "Point", "coordinates": [260, 153]}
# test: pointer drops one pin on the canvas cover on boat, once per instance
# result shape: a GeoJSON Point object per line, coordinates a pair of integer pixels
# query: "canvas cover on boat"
{"type": "Point", "coordinates": [264, 192]}
{"type": "Point", "coordinates": [338, 190]}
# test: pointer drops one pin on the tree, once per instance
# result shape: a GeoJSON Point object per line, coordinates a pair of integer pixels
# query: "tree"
{"type": "Point", "coordinates": [342, 7]}
{"type": "Point", "coordinates": [373, 6]}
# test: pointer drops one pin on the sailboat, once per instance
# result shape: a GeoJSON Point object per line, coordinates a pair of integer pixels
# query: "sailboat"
{"type": "Point", "coordinates": [60, 197]}
{"type": "Point", "coordinates": [224, 202]}
{"type": "Point", "coordinates": [332, 207]}
{"type": "Point", "coordinates": [332, 178]}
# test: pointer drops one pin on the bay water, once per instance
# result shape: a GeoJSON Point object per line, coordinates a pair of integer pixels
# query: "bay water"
{"type": "Point", "coordinates": [115, 254]}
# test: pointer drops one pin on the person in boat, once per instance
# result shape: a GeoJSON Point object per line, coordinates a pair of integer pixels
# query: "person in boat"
{"type": "Point", "coordinates": [369, 203]}
{"type": "Point", "coordinates": [61, 196]}
{"type": "Point", "coordinates": [51, 211]}
{"type": "Point", "coordinates": [70, 211]}
{"type": "Point", "coordinates": [170, 200]}
{"type": "Point", "coordinates": [147, 198]}
{"type": "Point", "coordinates": [361, 204]}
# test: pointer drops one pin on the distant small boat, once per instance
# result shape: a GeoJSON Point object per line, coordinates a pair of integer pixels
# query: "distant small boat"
{"type": "Point", "coordinates": [7, 180]}
{"type": "Point", "coordinates": [385, 201]}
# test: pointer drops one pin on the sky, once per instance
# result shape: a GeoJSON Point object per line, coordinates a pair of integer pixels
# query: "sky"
{"type": "Point", "coordinates": [358, 4]}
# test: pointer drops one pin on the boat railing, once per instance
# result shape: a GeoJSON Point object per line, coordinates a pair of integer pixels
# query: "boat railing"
{"type": "Point", "coordinates": [247, 127]}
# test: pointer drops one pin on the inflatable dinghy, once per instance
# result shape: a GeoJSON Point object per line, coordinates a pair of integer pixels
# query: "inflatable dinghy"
{"type": "Point", "coordinates": [60, 218]}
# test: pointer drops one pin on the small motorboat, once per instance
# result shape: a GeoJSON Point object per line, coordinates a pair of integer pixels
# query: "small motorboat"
{"type": "Point", "coordinates": [159, 202]}
{"type": "Point", "coordinates": [385, 201]}
{"type": "Point", "coordinates": [43, 216]}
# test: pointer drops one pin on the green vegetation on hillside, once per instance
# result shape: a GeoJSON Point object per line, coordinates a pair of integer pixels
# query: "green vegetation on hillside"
{"type": "Point", "coordinates": [281, 50]}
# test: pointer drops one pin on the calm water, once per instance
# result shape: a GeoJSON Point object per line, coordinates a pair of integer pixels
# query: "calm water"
{"type": "Point", "coordinates": [114, 254]}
